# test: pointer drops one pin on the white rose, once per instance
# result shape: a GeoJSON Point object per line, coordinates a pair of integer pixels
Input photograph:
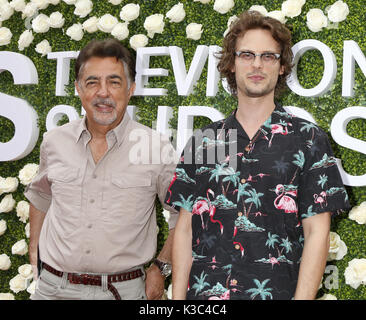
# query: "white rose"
{"type": "Point", "coordinates": [260, 9]}
{"type": "Point", "coordinates": [327, 296]}
{"type": "Point", "coordinates": [232, 20]}
{"type": "Point", "coordinates": [176, 13]}
{"type": "Point", "coordinates": [223, 6]}
{"type": "Point", "coordinates": [166, 215]}
{"type": "Point", "coordinates": [56, 20]}
{"type": "Point", "coordinates": [91, 25]}
{"type": "Point", "coordinates": [30, 10]}
{"type": "Point", "coordinates": [154, 24]}
{"type": "Point", "coordinates": [23, 211]}
{"type": "Point", "coordinates": [338, 11]}
{"type": "Point", "coordinates": [3, 227]}
{"type": "Point", "coordinates": [278, 15]}
{"type": "Point", "coordinates": [25, 39]}
{"type": "Point", "coordinates": [5, 262]}
{"type": "Point", "coordinates": [202, 1]}
{"type": "Point", "coordinates": [54, 2]}
{"type": "Point", "coordinates": [18, 283]}
{"type": "Point", "coordinates": [20, 248]}
{"type": "Point", "coordinates": [75, 32]}
{"type": "Point", "coordinates": [41, 23]}
{"type": "Point", "coordinates": [42, 48]}
{"type": "Point", "coordinates": [120, 31]}
{"type": "Point", "coordinates": [138, 41]}
{"type": "Point", "coordinates": [358, 213]}
{"type": "Point", "coordinates": [337, 248]}
{"type": "Point", "coordinates": [30, 170]}
{"type": "Point", "coordinates": [355, 273]}
{"type": "Point", "coordinates": [291, 8]}
{"type": "Point", "coordinates": [5, 36]}
{"type": "Point", "coordinates": [194, 31]}
{"type": "Point", "coordinates": [130, 12]}
{"type": "Point", "coordinates": [32, 287]}
{"type": "Point", "coordinates": [6, 296]}
{"type": "Point", "coordinates": [69, 2]}
{"type": "Point", "coordinates": [27, 230]}
{"type": "Point", "coordinates": [83, 8]}
{"type": "Point", "coordinates": [7, 203]}
{"type": "Point", "coordinates": [115, 2]}
{"type": "Point", "coordinates": [18, 5]}
{"type": "Point", "coordinates": [26, 271]}
{"type": "Point", "coordinates": [6, 11]}
{"type": "Point", "coordinates": [9, 184]}
{"type": "Point", "coordinates": [41, 4]}
{"type": "Point", "coordinates": [106, 23]}
{"type": "Point", "coordinates": [316, 20]}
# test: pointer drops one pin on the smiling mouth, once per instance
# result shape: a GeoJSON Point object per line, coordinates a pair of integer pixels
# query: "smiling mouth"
{"type": "Point", "coordinates": [104, 108]}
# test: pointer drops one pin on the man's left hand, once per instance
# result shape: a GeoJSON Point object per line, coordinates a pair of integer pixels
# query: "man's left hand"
{"type": "Point", "coordinates": [154, 285]}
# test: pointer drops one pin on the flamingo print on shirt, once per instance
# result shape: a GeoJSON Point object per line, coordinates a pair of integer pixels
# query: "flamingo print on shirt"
{"type": "Point", "coordinates": [247, 235]}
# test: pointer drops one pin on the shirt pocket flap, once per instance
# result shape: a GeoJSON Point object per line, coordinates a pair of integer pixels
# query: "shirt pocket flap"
{"type": "Point", "coordinates": [132, 180]}
{"type": "Point", "coordinates": [63, 174]}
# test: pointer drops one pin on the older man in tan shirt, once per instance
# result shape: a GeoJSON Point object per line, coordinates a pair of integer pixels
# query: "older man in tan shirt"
{"type": "Point", "coordinates": [93, 201]}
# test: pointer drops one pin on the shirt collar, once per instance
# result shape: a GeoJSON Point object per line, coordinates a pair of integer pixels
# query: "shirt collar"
{"type": "Point", "coordinates": [119, 131]}
{"type": "Point", "coordinates": [279, 116]}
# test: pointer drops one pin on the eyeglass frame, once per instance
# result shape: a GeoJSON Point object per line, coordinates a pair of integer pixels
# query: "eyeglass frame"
{"type": "Point", "coordinates": [254, 55]}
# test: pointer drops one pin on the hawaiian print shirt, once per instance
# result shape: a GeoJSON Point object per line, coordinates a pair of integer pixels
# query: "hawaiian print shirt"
{"type": "Point", "coordinates": [247, 235]}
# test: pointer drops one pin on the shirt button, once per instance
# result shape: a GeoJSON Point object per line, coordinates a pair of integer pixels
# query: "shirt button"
{"type": "Point", "coordinates": [90, 226]}
{"type": "Point", "coordinates": [87, 251]}
{"type": "Point", "coordinates": [243, 180]}
{"type": "Point", "coordinates": [92, 200]}
{"type": "Point", "coordinates": [94, 176]}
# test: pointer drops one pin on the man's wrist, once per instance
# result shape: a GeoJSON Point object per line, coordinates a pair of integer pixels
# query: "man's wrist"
{"type": "Point", "coordinates": [165, 268]}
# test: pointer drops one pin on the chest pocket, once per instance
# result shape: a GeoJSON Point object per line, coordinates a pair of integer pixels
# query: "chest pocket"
{"type": "Point", "coordinates": [64, 181]}
{"type": "Point", "coordinates": [63, 174]}
{"type": "Point", "coordinates": [127, 197]}
{"type": "Point", "coordinates": [66, 197]}
{"type": "Point", "coordinates": [65, 185]}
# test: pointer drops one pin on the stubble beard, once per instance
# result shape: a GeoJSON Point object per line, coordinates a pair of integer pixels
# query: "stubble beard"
{"type": "Point", "coordinates": [104, 118]}
{"type": "Point", "coordinates": [252, 91]}
{"type": "Point", "coordinates": [258, 93]}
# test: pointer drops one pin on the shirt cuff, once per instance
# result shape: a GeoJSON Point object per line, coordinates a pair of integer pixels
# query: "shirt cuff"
{"type": "Point", "coordinates": [39, 200]}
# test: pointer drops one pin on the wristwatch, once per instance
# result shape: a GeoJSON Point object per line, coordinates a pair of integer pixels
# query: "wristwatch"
{"type": "Point", "coordinates": [164, 267]}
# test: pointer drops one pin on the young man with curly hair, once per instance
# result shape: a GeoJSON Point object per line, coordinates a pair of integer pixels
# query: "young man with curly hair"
{"type": "Point", "coordinates": [258, 229]}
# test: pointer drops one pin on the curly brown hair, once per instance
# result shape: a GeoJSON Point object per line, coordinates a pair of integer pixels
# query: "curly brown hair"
{"type": "Point", "coordinates": [250, 20]}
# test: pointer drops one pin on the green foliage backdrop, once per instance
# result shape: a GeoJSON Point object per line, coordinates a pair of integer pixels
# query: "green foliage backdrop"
{"type": "Point", "coordinates": [42, 97]}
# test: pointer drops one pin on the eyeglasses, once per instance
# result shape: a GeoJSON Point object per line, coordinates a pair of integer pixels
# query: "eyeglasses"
{"type": "Point", "coordinates": [266, 57]}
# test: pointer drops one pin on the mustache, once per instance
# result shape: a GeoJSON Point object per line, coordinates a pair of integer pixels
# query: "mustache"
{"type": "Point", "coordinates": [106, 101]}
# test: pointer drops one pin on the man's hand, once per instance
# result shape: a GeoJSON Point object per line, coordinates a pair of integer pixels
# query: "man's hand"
{"type": "Point", "coordinates": [154, 285]}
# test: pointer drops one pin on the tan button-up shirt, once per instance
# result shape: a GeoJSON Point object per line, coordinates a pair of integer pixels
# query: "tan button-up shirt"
{"type": "Point", "coordinates": [101, 217]}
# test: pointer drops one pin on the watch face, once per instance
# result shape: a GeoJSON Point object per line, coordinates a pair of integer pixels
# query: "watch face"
{"type": "Point", "coordinates": [167, 269]}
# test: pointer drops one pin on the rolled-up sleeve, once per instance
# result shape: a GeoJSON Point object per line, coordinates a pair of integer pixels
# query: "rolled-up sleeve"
{"type": "Point", "coordinates": [38, 192]}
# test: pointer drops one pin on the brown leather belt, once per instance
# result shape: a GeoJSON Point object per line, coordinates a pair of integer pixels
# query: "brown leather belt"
{"type": "Point", "coordinates": [96, 280]}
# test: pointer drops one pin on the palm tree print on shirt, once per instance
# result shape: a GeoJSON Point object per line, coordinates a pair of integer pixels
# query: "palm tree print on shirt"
{"type": "Point", "coordinates": [247, 236]}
